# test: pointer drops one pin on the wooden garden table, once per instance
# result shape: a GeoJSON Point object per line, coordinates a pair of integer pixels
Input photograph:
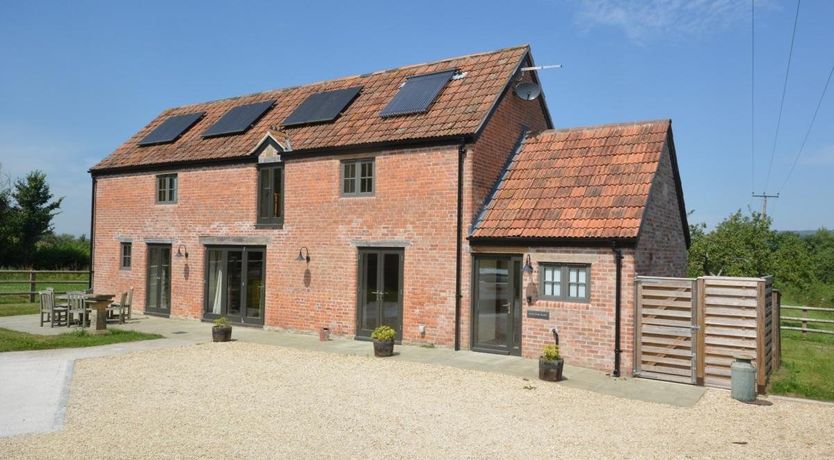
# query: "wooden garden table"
{"type": "Point", "coordinates": [100, 302]}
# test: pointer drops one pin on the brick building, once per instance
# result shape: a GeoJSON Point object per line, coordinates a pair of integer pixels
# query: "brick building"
{"type": "Point", "coordinates": [428, 197]}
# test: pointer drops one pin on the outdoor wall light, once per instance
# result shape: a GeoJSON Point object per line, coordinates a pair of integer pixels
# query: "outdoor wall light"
{"type": "Point", "coordinates": [182, 251]}
{"type": "Point", "coordinates": [301, 257]}
{"type": "Point", "coordinates": [528, 266]}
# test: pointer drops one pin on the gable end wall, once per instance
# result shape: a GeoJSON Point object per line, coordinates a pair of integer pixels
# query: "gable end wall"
{"type": "Point", "coordinates": [661, 249]}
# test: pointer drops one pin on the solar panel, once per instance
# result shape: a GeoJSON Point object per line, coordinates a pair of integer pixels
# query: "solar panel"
{"type": "Point", "coordinates": [238, 119]}
{"type": "Point", "coordinates": [417, 94]}
{"type": "Point", "coordinates": [324, 106]}
{"type": "Point", "coordinates": [171, 129]}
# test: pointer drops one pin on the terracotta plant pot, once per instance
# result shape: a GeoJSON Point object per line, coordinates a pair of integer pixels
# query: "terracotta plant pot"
{"type": "Point", "coordinates": [383, 349]}
{"type": "Point", "coordinates": [221, 333]}
{"type": "Point", "coordinates": [551, 371]}
{"type": "Point", "coordinates": [324, 334]}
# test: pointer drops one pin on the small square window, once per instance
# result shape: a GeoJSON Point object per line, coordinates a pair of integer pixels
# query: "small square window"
{"type": "Point", "coordinates": [126, 251]}
{"type": "Point", "coordinates": [358, 177]}
{"type": "Point", "coordinates": [166, 189]}
{"type": "Point", "coordinates": [565, 282]}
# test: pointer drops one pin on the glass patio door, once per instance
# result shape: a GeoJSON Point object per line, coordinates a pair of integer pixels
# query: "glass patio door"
{"type": "Point", "coordinates": [235, 284]}
{"type": "Point", "coordinates": [158, 298]}
{"type": "Point", "coordinates": [496, 309]}
{"type": "Point", "coordinates": [380, 291]}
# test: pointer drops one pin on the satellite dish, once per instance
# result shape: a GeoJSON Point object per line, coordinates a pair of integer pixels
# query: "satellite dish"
{"type": "Point", "coordinates": [527, 90]}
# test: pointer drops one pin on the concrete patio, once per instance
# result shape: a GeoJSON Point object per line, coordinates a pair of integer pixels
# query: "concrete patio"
{"type": "Point", "coordinates": [185, 331]}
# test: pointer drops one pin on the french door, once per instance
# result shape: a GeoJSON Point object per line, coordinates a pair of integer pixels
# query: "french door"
{"type": "Point", "coordinates": [158, 298]}
{"type": "Point", "coordinates": [235, 284]}
{"type": "Point", "coordinates": [380, 297]}
{"type": "Point", "coordinates": [496, 304]}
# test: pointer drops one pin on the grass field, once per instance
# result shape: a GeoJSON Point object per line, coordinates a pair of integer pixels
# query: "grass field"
{"type": "Point", "coordinates": [20, 341]}
{"type": "Point", "coordinates": [19, 282]}
{"type": "Point", "coordinates": [807, 359]}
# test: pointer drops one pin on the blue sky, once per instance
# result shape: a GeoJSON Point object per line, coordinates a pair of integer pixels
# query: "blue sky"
{"type": "Point", "coordinates": [80, 77]}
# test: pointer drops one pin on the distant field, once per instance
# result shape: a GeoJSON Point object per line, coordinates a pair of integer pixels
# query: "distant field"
{"type": "Point", "coordinates": [19, 282]}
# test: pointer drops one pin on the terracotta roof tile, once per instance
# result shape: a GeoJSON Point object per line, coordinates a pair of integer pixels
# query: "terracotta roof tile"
{"type": "Point", "coordinates": [458, 110]}
{"type": "Point", "coordinates": [590, 182]}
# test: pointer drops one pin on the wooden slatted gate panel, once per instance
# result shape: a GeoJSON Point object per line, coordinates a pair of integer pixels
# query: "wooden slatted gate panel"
{"type": "Point", "coordinates": [691, 330]}
{"type": "Point", "coordinates": [664, 323]}
{"type": "Point", "coordinates": [731, 316]}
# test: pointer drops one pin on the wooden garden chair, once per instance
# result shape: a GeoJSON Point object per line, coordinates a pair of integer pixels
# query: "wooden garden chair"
{"type": "Point", "coordinates": [77, 305]}
{"type": "Point", "coordinates": [49, 311]}
{"type": "Point", "coordinates": [115, 307]}
{"type": "Point", "coordinates": [117, 310]}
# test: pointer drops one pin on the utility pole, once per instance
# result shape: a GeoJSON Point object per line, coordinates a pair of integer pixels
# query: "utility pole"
{"type": "Point", "coordinates": [764, 197]}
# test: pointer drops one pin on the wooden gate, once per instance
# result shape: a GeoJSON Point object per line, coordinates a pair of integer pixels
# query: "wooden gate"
{"type": "Point", "coordinates": [691, 330]}
{"type": "Point", "coordinates": [664, 324]}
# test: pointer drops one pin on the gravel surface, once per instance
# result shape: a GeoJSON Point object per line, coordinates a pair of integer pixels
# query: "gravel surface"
{"type": "Point", "coordinates": [239, 400]}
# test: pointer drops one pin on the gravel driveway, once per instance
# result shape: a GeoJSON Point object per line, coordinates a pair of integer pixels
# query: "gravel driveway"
{"type": "Point", "coordinates": [239, 400]}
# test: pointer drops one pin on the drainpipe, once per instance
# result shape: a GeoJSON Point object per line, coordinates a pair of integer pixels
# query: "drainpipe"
{"type": "Point", "coordinates": [459, 242]}
{"type": "Point", "coordinates": [618, 260]}
{"type": "Point", "coordinates": [92, 230]}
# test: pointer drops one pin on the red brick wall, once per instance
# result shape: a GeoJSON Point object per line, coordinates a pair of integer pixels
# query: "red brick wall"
{"type": "Point", "coordinates": [586, 330]}
{"type": "Point", "coordinates": [414, 201]}
{"type": "Point", "coordinates": [661, 250]}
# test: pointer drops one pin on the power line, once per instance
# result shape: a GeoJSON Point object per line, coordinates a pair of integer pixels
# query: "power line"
{"type": "Point", "coordinates": [782, 102]}
{"type": "Point", "coordinates": [808, 132]}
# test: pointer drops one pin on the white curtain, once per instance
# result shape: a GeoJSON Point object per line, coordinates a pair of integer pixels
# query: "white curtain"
{"type": "Point", "coordinates": [217, 258]}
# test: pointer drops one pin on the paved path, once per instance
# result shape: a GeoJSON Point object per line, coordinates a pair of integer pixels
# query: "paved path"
{"type": "Point", "coordinates": [34, 385]}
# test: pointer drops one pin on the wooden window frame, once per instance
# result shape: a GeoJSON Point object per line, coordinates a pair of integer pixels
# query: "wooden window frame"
{"type": "Point", "coordinates": [125, 255]}
{"type": "Point", "coordinates": [270, 221]}
{"type": "Point", "coordinates": [564, 282]}
{"type": "Point", "coordinates": [170, 190]}
{"type": "Point", "coordinates": [357, 178]}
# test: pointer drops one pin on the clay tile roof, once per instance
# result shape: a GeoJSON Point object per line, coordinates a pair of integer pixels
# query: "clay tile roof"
{"type": "Point", "coordinates": [590, 182]}
{"type": "Point", "coordinates": [459, 110]}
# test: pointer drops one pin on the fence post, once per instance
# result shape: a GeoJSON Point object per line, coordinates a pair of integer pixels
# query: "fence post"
{"type": "Point", "coordinates": [777, 329]}
{"type": "Point", "coordinates": [804, 321]}
{"type": "Point", "coordinates": [32, 285]}
{"type": "Point", "coordinates": [761, 370]}
{"type": "Point", "coordinates": [699, 295]}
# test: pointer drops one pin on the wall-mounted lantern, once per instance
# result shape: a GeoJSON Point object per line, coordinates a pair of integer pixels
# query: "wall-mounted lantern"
{"type": "Point", "coordinates": [301, 257]}
{"type": "Point", "coordinates": [528, 266]}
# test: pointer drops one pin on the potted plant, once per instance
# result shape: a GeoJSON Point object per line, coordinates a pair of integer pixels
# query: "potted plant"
{"type": "Point", "coordinates": [551, 364]}
{"type": "Point", "coordinates": [383, 341]}
{"type": "Point", "coordinates": [222, 330]}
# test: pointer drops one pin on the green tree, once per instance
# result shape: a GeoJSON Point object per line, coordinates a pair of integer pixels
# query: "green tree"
{"type": "Point", "coordinates": [8, 232]}
{"type": "Point", "coordinates": [741, 245]}
{"type": "Point", "coordinates": [792, 262]}
{"type": "Point", "coordinates": [63, 251]}
{"type": "Point", "coordinates": [35, 206]}
{"type": "Point", "coordinates": [821, 246]}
